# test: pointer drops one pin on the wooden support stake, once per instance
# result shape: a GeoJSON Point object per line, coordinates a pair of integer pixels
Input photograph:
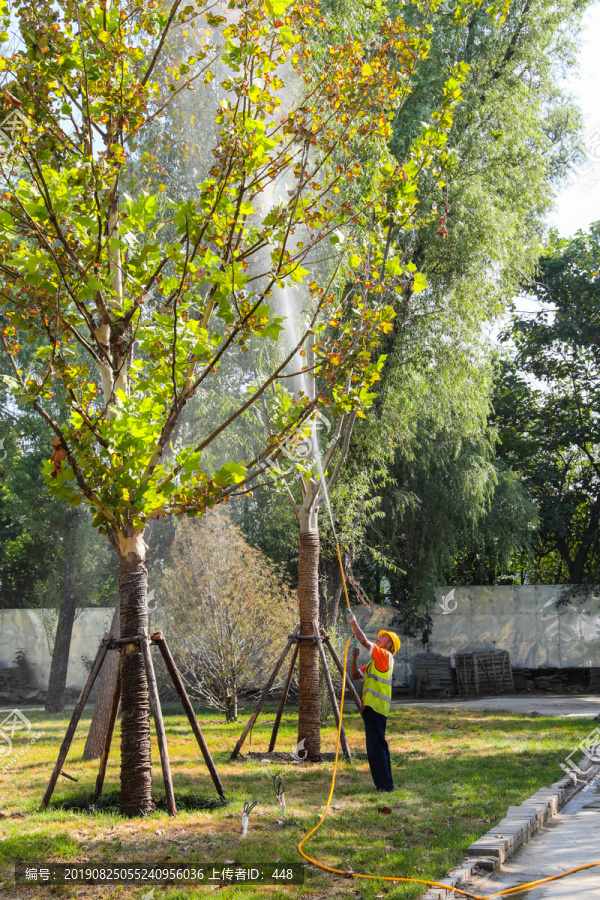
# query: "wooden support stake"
{"type": "Point", "coordinates": [286, 689]}
{"type": "Point", "coordinates": [158, 723]}
{"type": "Point", "coordinates": [189, 709]}
{"type": "Point", "coordinates": [79, 707]}
{"type": "Point", "coordinates": [110, 728]}
{"type": "Point", "coordinates": [338, 662]}
{"type": "Point", "coordinates": [264, 695]}
{"type": "Point", "coordinates": [330, 688]}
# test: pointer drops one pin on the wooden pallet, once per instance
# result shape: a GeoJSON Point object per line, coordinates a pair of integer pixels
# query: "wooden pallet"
{"type": "Point", "coordinates": [594, 684]}
{"type": "Point", "coordinates": [434, 675]}
{"type": "Point", "coordinates": [484, 672]}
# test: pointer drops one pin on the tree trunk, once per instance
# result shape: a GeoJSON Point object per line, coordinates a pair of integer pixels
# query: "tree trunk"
{"type": "Point", "coordinates": [55, 698]}
{"type": "Point", "coordinates": [587, 543]}
{"type": "Point", "coordinates": [107, 681]}
{"type": "Point", "coordinates": [136, 766]}
{"type": "Point", "coordinates": [231, 713]}
{"type": "Point", "coordinates": [309, 714]}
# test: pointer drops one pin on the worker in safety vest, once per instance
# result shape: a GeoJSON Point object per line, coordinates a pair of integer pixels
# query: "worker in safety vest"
{"type": "Point", "coordinates": [377, 697]}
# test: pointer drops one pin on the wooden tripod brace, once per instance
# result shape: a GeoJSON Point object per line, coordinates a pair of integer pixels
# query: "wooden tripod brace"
{"type": "Point", "coordinates": [322, 638]}
{"type": "Point", "coordinates": [142, 639]}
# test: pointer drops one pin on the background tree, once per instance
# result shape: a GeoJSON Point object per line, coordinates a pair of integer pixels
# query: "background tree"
{"type": "Point", "coordinates": [50, 556]}
{"type": "Point", "coordinates": [32, 549]}
{"type": "Point", "coordinates": [547, 398]}
{"type": "Point", "coordinates": [514, 132]}
{"type": "Point", "coordinates": [497, 546]}
{"type": "Point", "coordinates": [226, 609]}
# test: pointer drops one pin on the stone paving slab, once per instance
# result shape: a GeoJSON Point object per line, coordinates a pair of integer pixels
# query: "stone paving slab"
{"type": "Point", "coordinates": [521, 823]}
{"type": "Point", "coordinates": [567, 840]}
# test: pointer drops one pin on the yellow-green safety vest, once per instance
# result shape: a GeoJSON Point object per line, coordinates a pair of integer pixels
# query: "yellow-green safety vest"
{"type": "Point", "coordinates": [377, 687]}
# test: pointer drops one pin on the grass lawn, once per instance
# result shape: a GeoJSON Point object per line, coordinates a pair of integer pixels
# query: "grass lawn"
{"type": "Point", "coordinates": [450, 789]}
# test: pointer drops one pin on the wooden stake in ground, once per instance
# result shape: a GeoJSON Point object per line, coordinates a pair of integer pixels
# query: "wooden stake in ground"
{"type": "Point", "coordinates": [264, 694]}
{"type": "Point", "coordinates": [327, 641]}
{"type": "Point", "coordinates": [189, 709]}
{"type": "Point", "coordinates": [332, 697]}
{"type": "Point", "coordinates": [158, 723]}
{"type": "Point", "coordinates": [94, 742]}
{"type": "Point", "coordinates": [110, 728]}
{"type": "Point", "coordinates": [139, 643]}
{"type": "Point", "coordinates": [79, 707]}
{"type": "Point", "coordinates": [280, 708]}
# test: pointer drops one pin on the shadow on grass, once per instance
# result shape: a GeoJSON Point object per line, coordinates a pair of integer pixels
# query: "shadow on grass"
{"type": "Point", "coordinates": [110, 802]}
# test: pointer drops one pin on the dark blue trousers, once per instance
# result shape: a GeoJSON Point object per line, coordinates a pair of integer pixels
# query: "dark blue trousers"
{"type": "Point", "coordinates": [378, 752]}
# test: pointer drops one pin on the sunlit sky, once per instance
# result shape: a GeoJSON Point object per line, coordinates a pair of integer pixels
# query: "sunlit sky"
{"type": "Point", "coordinates": [578, 204]}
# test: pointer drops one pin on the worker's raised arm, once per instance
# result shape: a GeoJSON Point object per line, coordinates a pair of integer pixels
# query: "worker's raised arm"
{"type": "Point", "coordinates": [358, 632]}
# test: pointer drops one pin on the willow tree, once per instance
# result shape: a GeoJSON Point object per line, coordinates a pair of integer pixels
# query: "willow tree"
{"type": "Point", "coordinates": [135, 299]}
{"type": "Point", "coordinates": [384, 269]}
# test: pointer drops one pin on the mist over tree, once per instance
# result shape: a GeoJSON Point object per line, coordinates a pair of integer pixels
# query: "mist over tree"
{"type": "Point", "coordinates": [384, 273]}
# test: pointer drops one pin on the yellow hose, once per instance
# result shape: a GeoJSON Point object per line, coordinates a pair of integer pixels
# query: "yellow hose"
{"type": "Point", "coordinates": [504, 893]}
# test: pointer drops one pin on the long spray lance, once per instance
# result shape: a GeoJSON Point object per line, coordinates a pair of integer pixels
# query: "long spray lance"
{"type": "Point", "coordinates": [328, 503]}
{"type": "Point", "coordinates": [339, 555]}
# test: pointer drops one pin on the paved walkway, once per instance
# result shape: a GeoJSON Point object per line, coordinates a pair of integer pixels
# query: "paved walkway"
{"type": "Point", "coordinates": [561, 705]}
{"type": "Point", "coordinates": [570, 839]}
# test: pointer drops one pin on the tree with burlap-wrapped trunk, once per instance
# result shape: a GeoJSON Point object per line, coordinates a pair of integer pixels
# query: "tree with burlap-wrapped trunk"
{"type": "Point", "coordinates": [137, 298]}
{"type": "Point", "coordinates": [309, 711]}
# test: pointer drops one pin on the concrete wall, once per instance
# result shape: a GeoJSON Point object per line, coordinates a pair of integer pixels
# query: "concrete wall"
{"type": "Point", "coordinates": [523, 619]}
{"type": "Point", "coordinates": [26, 629]}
